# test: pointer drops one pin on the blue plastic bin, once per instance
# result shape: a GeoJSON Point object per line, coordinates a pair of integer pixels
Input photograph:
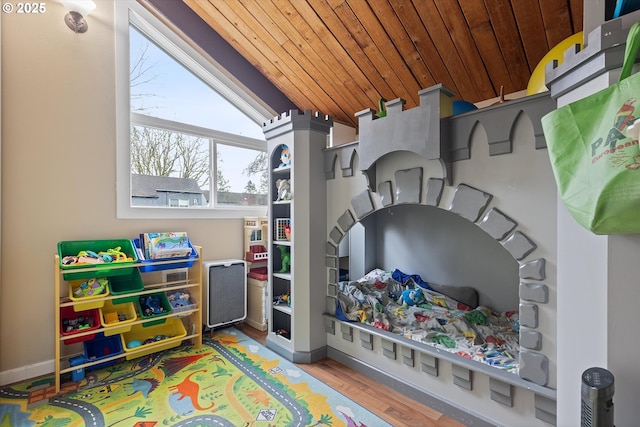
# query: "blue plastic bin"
{"type": "Point", "coordinates": [148, 265]}
{"type": "Point", "coordinates": [77, 374]}
{"type": "Point", "coordinates": [102, 347]}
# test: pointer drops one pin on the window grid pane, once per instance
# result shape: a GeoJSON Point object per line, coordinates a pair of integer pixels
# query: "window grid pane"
{"type": "Point", "coordinates": [168, 165]}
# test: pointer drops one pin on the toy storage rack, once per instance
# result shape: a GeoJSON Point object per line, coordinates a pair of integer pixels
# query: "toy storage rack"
{"type": "Point", "coordinates": [194, 331]}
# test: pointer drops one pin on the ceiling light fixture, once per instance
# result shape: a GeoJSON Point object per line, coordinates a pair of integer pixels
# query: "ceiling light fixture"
{"type": "Point", "coordinates": [78, 11]}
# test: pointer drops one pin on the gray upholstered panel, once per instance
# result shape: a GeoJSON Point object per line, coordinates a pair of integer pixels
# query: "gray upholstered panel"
{"type": "Point", "coordinates": [433, 243]}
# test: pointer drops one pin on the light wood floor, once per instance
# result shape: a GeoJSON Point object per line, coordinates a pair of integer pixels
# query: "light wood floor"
{"type": "Point", "coordinates": [390, 405]}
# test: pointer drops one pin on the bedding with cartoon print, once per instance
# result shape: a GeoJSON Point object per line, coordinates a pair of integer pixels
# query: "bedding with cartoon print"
{"type": "Point", "coordinates": [406, 305]}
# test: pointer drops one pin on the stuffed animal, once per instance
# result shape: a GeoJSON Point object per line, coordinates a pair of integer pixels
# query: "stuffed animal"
{"type": "Point", "coordinates": [284, 189]}
{"type": "Point", "coordinates": [285, 157]}
{"type": "Point", "coordinates": [411, 297]}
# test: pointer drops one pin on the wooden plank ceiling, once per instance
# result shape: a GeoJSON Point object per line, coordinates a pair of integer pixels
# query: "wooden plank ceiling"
{"type": "Point", "coordinates": [339, 57]}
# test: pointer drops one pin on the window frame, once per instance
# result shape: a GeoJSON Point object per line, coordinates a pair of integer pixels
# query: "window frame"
{"type": "Point", "coordinates": [132, 12]}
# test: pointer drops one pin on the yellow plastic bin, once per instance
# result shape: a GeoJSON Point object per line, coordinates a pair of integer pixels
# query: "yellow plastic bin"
{"type": "Point", "coordinates": [117, 317]}
{"type": "Point", "coordinates": [154, 338]}
{"type": "Point", "coordinates": [88, 300]}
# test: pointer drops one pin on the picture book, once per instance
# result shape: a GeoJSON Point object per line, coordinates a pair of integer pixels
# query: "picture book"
{"type": "Point", "coordinates": [168, 244]}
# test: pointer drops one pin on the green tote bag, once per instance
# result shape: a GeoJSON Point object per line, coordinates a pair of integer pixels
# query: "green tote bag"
{"type": "Point", "coordinates": [593, 148]}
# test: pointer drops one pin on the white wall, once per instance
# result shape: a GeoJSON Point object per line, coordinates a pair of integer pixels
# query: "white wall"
{"type": "Point", "coordinates": [59, 172]}
{"type": "Point", "coordinates": [597, 298]}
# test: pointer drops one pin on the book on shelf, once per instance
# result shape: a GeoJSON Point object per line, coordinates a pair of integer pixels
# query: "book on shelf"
{"type": "Point", "coordinates": [168, 244]}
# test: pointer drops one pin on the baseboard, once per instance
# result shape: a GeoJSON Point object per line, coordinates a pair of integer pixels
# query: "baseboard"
{"type": "Point", "coordinates": [272, 342]}
{"type": "Point", "coordinates": [25, 372]}
{"type": "Point", "coordinates": [256, 325]}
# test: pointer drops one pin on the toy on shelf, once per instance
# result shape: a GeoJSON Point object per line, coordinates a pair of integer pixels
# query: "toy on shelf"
{"type": "Point", "coordinates": [285, 157]}
{"type": "Point", "coordinates": [156, 338]}
{"type": "Point", "coordinates": [179, 299]}
{"type": "Point", "coordinates": [151, 305]}
{"type": "Point", "coordinates": [284, 190]}
{"type": "Point", "coordinates": [134, 344]}
{"type": "Point", "coordinates": [283, 333]}
{"type": "Point", "coordinates": [90, 288]}
{"type": "Point", "coordinates": [114, 316]}
{"type": "Point", "coordinates": [285, 258]}
{"type": "Point", "coordinates": [78, 324]}
{"type": "Point", "coordinates": [282, 299]}
{"type": "Point", "coordinates": [168, 244]}
{"type": "Point", "coordinates": [283, 229]}
{"type": "Point", "coordinates": [152, 339]}
{"type": "Point", "coordinates": [91, 257]}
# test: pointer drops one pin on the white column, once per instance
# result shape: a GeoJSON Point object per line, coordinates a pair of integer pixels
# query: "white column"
{"type": "Point", "coordinates": [598, 297]}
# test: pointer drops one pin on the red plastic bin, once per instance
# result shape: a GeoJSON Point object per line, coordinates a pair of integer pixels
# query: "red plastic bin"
{"type": "Point", "coordinates": [92, 317]}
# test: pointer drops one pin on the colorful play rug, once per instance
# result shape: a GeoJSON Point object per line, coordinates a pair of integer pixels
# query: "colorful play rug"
{"type": "Point", "coordinates": [231, 381]}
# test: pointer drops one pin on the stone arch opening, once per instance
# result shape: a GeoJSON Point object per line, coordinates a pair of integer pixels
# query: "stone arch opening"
{"type": "Point", "coordinates": [485, 223]}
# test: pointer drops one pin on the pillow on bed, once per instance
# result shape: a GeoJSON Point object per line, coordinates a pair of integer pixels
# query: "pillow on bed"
{"type": "Point", "coordinates": [464, 294]}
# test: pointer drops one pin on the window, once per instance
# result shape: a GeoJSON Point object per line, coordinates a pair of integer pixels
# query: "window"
{"type": "Point", "coordinates": [179, 203]}
{"type": "Point", "coordinates": [190, 142]}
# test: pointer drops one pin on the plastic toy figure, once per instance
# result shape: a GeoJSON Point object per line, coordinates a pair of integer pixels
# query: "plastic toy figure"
{"type": "Point", "coordinates": [285, 258]}
{"type": "Point", "coordinates": [282, 299]}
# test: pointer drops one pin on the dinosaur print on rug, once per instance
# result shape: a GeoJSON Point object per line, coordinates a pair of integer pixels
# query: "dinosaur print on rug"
{"type": "Point", "coordinates": [230, 381]}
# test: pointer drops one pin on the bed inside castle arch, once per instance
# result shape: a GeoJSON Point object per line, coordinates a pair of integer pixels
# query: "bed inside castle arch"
{"type": "Point", "coordinates": [435, 278]}
{"type": "Point", "coordinates": [449, 254]}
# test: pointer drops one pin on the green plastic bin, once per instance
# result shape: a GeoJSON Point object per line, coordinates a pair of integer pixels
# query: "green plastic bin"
{"type": "Point", "coordinates": [73, 247]}
{"type": "Point", "coordinates": [126, 284]}
{"type": "Point", "coordinates": [161, 317]}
